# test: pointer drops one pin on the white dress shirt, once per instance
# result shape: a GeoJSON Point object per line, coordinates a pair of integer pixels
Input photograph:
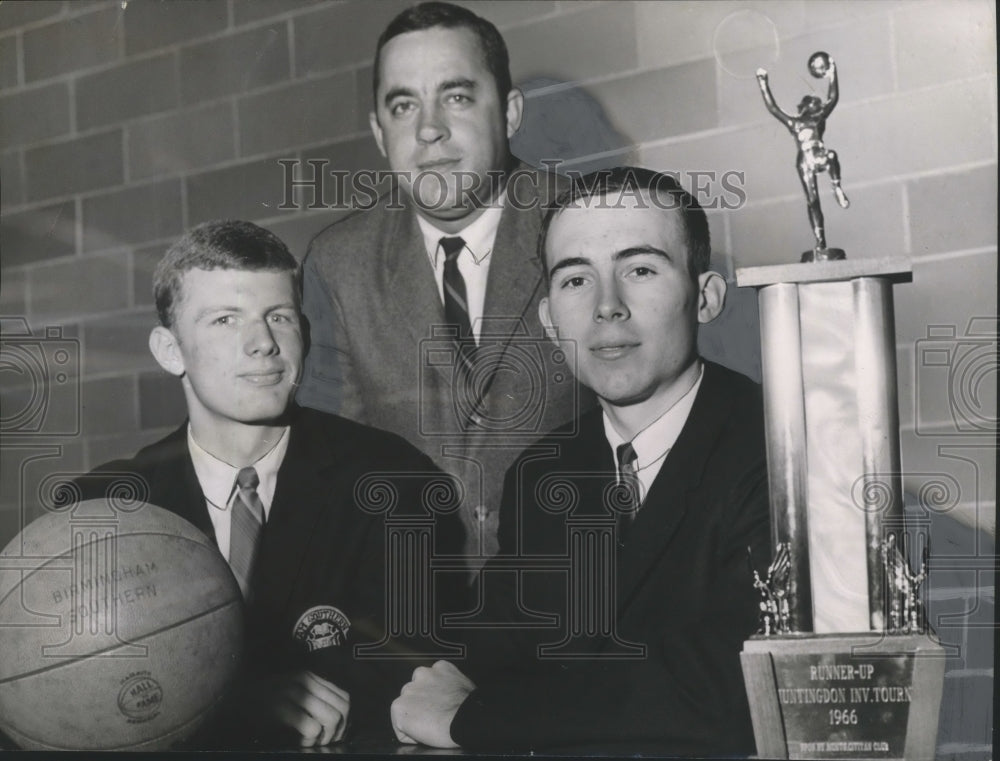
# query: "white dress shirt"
{"type": "Point", "coordinates": [473, 261]}
{"type": "Point", "coordinates": [218, 484]}
{"type": "Point", "coordinates": [653, 443]}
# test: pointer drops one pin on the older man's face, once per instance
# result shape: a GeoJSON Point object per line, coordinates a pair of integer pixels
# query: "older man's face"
{"type": "Point", "coordinates": [441, 123]}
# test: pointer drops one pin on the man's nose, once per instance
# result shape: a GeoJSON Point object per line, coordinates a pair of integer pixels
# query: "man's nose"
{"type": "Point", "coordinates": [610, 304]}
{"type": "Point", "coordinates": [260, 338]}
{"type": "Point", "coordinates": [432, 125]}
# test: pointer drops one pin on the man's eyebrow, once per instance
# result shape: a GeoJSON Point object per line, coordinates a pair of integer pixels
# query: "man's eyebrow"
{"type": "Point", "coordinates": [397, 92]}
{"type": "Point", "coordinates": [639, 251]}
{"type": "Point", "coordinates": [217, 308]}
{"type": "Point", "coordinates": [572, 261]}
{"type": "Point", "coordinates": [461, 82]}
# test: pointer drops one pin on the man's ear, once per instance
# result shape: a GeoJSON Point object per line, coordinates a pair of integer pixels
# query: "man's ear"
{"type": "Point", "coordinates": [166, 351]}
{"type": "Point", "coordinates": [546, 319]}
{"type": "Point", "coordinates": [711, 296]}
{"type": "Point", "coordinates": [377, 132]}
{"type": "Point", "coordinates": [515, 110]}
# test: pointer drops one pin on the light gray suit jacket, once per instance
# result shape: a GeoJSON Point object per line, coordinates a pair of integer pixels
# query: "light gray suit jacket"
{"type": "Point", "coordinates": [377, 354]}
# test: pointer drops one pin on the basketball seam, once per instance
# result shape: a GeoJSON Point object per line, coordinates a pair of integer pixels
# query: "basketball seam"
{"type": "Point", "coordinates": [115, 646]}
{"type": "Point", "coordinates": [27, 573]}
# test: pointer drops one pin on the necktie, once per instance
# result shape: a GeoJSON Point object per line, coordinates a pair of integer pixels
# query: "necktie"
{"type": "Point", "coordinates": [628, 481]}
{"type": "Point", "coordinates": [456, 306]}
{"type": "Point", "coordinates": [247, 522]}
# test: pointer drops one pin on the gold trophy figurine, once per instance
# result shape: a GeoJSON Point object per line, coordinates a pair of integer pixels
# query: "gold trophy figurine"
{"type": "Point", "coordinates": [807, 126]}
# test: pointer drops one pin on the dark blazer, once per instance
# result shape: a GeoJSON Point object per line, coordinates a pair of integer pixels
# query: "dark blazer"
{"type": "Point", "coordinates": [319, 548]}
{"type": "Point", "coordinates": [684, 591]}
{"type": "Point", "coordinates": [372, 305]}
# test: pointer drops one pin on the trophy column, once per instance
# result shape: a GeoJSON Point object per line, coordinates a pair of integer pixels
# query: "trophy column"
{"type": "Point", "coordinates": [838, 672]}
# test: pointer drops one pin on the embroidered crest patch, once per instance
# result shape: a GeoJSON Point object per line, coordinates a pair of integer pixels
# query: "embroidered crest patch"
{"type": "Point", "coordinates": [322, 626]}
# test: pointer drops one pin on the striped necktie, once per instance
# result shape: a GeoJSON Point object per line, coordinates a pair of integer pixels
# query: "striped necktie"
{"type": "Point", "coordinates": [245, 529]}
{"type": "Point", "coordinates": [456, 305]}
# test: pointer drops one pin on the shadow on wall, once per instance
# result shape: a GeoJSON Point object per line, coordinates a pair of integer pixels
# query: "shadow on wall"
{"type": "Point", "coordinates": [563, 122]}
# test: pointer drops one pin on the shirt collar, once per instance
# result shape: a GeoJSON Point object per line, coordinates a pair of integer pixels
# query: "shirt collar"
{"type": "Point", "coordinates": [217, 478]}
{"type": "Point", "coordinates": [654, 441]}
{"type": "Point", "coordinates": [479, 235]}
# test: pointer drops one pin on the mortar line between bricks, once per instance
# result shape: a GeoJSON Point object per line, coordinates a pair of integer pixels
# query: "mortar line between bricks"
{"type": "Point", "coordinates": [893, 51]}
{"type": "Point", "coordinates": [962, 673]}
{"type": "Point", "coordinates": [961, 593]}
{"type": "Point", "coordinates": [882, 181]}
{"type": "Point", "coordinates": [964, 748]}
{"type": "Point", "coordinates": [19, 52]}
{"type": "Point", "coordinates": [907, 234]}
{"type": "Point", "coordinates": [956, 254]}
{"type": "Point", "coordinates": [724, 129]}
{"type": "Point", "coordinates": [138, 182]}
{"type": "Point", "coordinates": [185, 216]}
{"type": "Point", "coordinates": [290, 37]}
{"type": "Point", "coordinates": [167, 50]}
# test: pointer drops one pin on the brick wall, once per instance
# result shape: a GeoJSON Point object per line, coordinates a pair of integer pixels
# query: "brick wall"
{"type": "Point", "coordinates": [119, 128]}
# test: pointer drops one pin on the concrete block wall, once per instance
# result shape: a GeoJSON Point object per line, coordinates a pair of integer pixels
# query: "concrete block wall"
{"type": "Point", "coordinates": [122, 126]}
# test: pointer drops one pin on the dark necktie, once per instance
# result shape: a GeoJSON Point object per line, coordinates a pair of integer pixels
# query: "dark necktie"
{"type": "Point", "coordinates": [629, 482]}
{"type": "Point", "coordinates": [456, 305]}
{"type": "Point", "coordinates": [245, 528]}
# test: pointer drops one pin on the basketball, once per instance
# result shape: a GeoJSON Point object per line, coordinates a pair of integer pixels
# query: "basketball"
{"type": "Point", "coordinates": [120, 628]}
{"type": "Point", "coordinates": [819, 64]}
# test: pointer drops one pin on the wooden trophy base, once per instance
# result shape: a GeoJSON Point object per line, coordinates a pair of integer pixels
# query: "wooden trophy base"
{"type": "Point", "coordinates": [844, 696]}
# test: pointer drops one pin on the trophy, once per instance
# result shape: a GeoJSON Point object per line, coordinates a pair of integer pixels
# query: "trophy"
{"type": "Point", "coordinates": [807, 127]}
{"type": "Point", "coordinates": [844, 665]}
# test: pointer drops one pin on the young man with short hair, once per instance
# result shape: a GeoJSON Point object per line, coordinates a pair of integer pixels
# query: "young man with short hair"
{"type": "Point", "coordinates": [646, 658]}
{"type": "Point", "coordinates": [275, 486]}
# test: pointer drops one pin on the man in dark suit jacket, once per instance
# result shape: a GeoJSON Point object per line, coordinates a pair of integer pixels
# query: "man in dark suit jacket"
{"type": "Point", "coordinates": [653, 505]}
{"type": "Point", "coordinates": [380, 293]}
{"type": "Point", "coordinates": [314, 575]}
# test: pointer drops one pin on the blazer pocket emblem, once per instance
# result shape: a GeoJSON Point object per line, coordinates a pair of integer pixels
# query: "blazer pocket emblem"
{"type": "Point", "coordinates": [321, 626]}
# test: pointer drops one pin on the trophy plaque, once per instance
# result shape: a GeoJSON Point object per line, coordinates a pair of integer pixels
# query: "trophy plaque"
{"type": "Point", "coordinates": [845, 665]}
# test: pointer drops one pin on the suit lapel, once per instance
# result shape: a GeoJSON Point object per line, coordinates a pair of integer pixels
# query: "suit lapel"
{"type": "Point", "coordinates": [411, 290]}
{"type": "Point", "coordinates": [515, 274]}
{"type": "Point", "coordinates": [174, 484]}
{"type": "Point", "coordinates": [298, 504]}
{"type": "Point", "coordinates": [670, 496]}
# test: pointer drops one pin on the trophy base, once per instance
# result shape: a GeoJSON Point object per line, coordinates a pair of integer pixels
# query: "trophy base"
{"type": "Point", "coordinates": [824, 255]}
{"type": "Point", "coordinates": [844, 696]}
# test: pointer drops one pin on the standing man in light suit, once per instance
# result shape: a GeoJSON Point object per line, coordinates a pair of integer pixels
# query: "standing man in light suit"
{"type": "Point", "coordinates": [424, 314]}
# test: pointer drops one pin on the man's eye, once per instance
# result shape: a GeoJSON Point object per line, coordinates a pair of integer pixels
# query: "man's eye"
{"type": "Point", "coordinates": [402, 108]}
{"type": "Point", "coordinates": [226, 319]}
{"type": "Point", "coordinates": [642, 271]}
{"type": "Point", "coordinates": [280, 318]}
{"type": "Point", "coordinates": [576, 281]}
{"type": "Point", "coordinates": [459, 98]}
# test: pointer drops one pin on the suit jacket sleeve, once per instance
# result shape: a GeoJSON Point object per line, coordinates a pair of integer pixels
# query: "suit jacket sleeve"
{"type": "Point", "coordinates": [686, 696]}
{"type": "Point", "coordinates": [329, 382]}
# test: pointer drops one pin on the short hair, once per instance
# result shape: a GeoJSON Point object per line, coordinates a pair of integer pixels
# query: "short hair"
{"type": "Point", "coordinates": [219, 245]}
{"type": "Point", "coordinates": [633, 179]}
{"type": "Point", "coordinates": [435, 14]}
